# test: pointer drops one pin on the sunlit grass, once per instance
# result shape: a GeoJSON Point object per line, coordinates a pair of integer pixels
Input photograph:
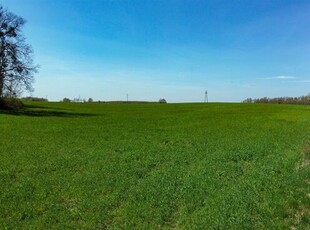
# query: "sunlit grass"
{"type": "Point", "coordinates": [148, 166]}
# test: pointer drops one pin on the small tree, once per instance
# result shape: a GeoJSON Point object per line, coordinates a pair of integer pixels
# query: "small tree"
{"type": "Point", "coordinates": [66, 100]}
{"type": "Point", "coordinates": [16, 64]}
{"type": "Point", "coordinates": [90, 100]}
{"type": "Point", "coordinates": [162, 100]}
{"type": "Point", "coordinates": [248, 100]}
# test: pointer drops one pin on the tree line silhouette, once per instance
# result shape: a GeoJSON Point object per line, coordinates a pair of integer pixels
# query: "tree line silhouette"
{"type": "Point", "coordinates": [302, 100]}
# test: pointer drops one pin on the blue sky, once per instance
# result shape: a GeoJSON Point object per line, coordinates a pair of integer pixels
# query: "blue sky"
{"type": "Point", "coordinates": [175, 50]}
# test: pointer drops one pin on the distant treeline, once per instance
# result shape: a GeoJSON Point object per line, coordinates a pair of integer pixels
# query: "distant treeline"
{"type": "Point", "coordinates": [125, 102]}
{"type": "Point", "coordinates": [33, 99]}
{"type": "Point", "coordinates": [90, 100]}
{"type": "Point", "coordinates": [302, 100]}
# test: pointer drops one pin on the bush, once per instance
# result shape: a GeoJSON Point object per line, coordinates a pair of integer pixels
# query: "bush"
{"type": "Point", "coordinates": [66, 100]}
{"type": "Point", "coordinates": [11, 103]}
{"type": "Point", "coordinates": [162, 100]}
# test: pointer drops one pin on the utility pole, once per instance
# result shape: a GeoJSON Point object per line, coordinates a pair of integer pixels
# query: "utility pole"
{"type": "Point", "coordinates": [127, 97]}
{"type": "Point", "coordinates": [206, 96]}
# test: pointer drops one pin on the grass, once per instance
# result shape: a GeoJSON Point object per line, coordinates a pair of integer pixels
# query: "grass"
{"type": "Point", "coordinates": [155, 166]}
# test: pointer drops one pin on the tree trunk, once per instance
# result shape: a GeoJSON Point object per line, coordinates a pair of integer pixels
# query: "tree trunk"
{"type": "Point", "coordinates": [1, 86]}
{"type": "Point", "coordinates": [1, 66]}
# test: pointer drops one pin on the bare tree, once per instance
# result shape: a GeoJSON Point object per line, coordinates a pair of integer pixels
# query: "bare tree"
{"type": "Point", "coordinates": [16, 64]}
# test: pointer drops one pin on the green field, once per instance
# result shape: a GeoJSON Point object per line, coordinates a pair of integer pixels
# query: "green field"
{"type": "Point", "coordinates": [155, 166]}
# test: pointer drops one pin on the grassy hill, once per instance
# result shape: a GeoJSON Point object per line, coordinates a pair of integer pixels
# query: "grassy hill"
{"type": "Point", "coordinates": [155, 166]}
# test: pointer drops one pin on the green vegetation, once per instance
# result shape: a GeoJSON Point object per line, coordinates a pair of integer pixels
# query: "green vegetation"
{"type": "Point", "coordinates": [10, 103]}
{"type": "Point", "coordinates": [302, 100]}
{"type": "Point", "coordinates": [153, 166]}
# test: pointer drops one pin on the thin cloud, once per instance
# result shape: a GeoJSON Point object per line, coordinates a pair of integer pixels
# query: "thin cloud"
{"type": "Point", "coordinates": [304, 81]}
{"type": "Point", "coordinates": [281, 77]}
{"type": "Point", "coordinates": [247, 86]}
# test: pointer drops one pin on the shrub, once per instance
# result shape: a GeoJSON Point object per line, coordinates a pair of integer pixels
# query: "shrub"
{"type": "Point", "coordinates": [66, 100]}
{"type": "Point", "coordinates": [162, 100]}
{"type": "Point", "coordinates": [11, 103]}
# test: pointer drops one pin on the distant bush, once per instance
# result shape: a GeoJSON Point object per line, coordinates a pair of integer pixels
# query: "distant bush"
{"type": "Point", "coordinates": [66, 100]}
{"type": "Point", "coordinates": [11, 103]}
{"type": "Point", "coordinates": [162, 100]}
{"type": "Point", "coordinates": [302, 100]}
{"type": "Point", "coordinates": [90, 100]}
{"type": "Point", "coordinates": [34, 99]}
